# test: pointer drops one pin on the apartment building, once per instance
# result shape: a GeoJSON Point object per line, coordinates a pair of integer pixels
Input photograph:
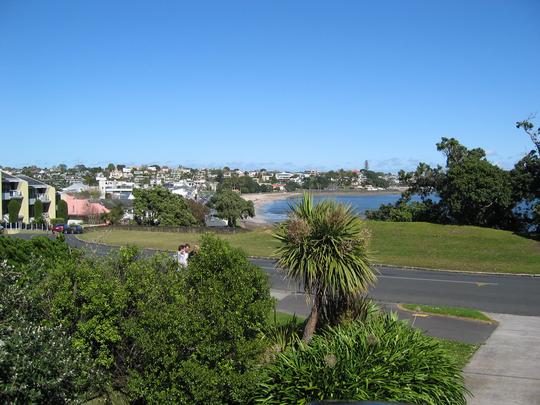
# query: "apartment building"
{"type": "Point", "coordinates": [28, 191]}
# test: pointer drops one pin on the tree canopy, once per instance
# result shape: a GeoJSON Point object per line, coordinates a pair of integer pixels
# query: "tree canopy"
{"type": "Point", "coordinates": [230, 206]}
{"type": "Point", "coordinates": [469, 190]}
{"type": "Point", "coordinates": [158, 206]}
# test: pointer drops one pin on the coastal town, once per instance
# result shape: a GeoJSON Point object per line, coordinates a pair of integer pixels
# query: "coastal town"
{"type": "Point", "coordinates": [91, 192]}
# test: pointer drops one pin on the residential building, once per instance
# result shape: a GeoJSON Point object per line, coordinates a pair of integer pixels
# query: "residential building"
{"type": "Point", "coordinates": [28, 191]}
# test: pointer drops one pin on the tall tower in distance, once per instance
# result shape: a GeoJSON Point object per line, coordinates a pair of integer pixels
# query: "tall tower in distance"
{"type": "Point", "coordinates": [366, 165]}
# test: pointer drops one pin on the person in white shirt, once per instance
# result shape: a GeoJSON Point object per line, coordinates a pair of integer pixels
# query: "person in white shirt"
{"type": "Point", "coordinates": [182, 255]}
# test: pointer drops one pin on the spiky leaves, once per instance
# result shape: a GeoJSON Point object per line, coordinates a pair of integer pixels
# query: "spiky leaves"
{"type": "Point", "coordinates": [324, 247]}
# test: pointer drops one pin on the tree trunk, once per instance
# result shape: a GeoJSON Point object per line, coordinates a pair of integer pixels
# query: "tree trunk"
{"type": "Point", "coordinates": [311, 324]}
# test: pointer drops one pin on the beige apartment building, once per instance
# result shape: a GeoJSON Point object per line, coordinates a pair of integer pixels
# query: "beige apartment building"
{"type": "Point", "coordinates": [28, 191]}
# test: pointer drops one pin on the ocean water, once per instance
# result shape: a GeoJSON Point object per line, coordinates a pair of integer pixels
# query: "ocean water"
{"type": "Point", "coordinates": [276, 211]}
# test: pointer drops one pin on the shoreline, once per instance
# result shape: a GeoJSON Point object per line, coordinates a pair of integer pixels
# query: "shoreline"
{"type": "Point", "coordinates": [260, 200]}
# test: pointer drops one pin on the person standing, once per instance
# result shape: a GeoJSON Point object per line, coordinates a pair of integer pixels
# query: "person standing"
{"type": "Point", "coordinates": [182, 255]}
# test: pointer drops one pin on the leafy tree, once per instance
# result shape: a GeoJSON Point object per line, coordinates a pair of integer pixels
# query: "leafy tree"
{"type": "Point", "coordinates": [244, 184]}
{"type": "Point", "coordinates": [158, 206]}
{"type": "Point", "coordinates": [469, 190]}
{"type": "Point", "coordinates": [38, 212]}
{"type": "Point", "coordinates": [62, 210]}
{"type": "Point", "coordinates": [90, 179]}
{"type": "Point", "coordinates": [291, 186]}
{"type": "Point", "coordinates": [115, 214]}
{"type": "Point", "coordinates": [375, 179]}
{"type": "Point", "coordinates": [529, 129]}
{"type": "Point", "coordinates": [324, 248]}
{"type": "Point", "coordinates": [198, 210]}
{"type": "Point", "coordinates": [526, 178]}
{"type": "Point", "coordinates": [14, 207]}
{"type": "Point", "coordinates": [111, 167]}
{"type": "Point", "coordinates": [120, 167]}
{"type": "Point", "coordinates": [230, 206]}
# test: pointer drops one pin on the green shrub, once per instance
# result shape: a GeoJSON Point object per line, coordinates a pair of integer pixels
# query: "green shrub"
{"type": "Point", "coordinates": [38, 363]}
{"type": "Point", "coordinates": [382, 359]}
{"type": "Point", "coordinates": [58, 221]}
{"type": "Point", "coordinates": [208, 349]}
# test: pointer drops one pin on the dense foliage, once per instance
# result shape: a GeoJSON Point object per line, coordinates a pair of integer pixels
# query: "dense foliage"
{"type": "Point", "coordinates": [62, 209]}
{"type": "Point", "coordinates": [380, 359]}
{"type": "Point", "coordinates": [198, 210]}
{"type": "Point", "coordinates": [14, 207]}
{"type": "Point", "coordinates": [230, 206]}
{"type": "Point", "coordinates": [135, 325]}
{"type": "Point", "coordinates": [469, 190]}
{"type": "Point", "coordinates": [38, 212]}
{"type": "Point", "coordinates": [159, 206]}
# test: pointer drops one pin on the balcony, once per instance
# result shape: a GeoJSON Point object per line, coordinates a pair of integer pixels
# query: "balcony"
{"type": "Point", "coordinates": [12, 194]}
{"type": "Point", "coordinates": [44, 198]}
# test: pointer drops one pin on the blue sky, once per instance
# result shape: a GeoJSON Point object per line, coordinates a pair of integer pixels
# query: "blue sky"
{"type": "Point", "coordinates": [275, 84]}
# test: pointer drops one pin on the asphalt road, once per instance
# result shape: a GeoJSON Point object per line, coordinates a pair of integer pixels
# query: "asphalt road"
{"type": "Point", "coordinates": [505, 294]}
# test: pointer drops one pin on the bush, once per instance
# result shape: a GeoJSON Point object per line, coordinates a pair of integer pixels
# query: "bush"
{"type": "Point", "coordinates": [152, 332]}
{"type": "Point", "coordinates": [38, 363]}
{"type": "Point", "coordinates": [208, 351]}
{"type": "Point", "coordinates": [381, 359]}
{"type": "Point", "coordinates": [57, 221]}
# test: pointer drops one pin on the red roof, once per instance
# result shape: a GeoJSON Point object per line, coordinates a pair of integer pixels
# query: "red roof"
{"type": "Point", "coordinates": [83, 207]}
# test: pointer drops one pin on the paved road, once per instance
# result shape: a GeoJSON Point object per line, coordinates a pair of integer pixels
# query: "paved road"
{"type": "Point", "coordinates": [505, 294]}
{"type": "Point", "coordinates": [518, 295]}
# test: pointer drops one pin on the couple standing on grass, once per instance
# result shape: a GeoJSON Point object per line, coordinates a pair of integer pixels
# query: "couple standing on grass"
{"type": "Point", "coordinates": [184, 251]}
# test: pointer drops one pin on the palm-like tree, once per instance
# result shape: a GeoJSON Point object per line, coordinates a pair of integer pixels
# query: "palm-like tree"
{"type": "Point", "coordinates": [324, 247]}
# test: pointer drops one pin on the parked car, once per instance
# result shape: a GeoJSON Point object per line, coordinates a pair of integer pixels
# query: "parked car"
{"type": "Point", "coordinates": [75, 229]}
{"type": "Point", "coordinates": [60, 228]}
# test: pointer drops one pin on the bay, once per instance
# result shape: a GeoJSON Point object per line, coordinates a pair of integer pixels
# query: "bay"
{"type": "Point", "coordinates": [277, 210]}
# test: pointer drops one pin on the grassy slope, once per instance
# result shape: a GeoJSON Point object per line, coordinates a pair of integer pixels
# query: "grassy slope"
{"type": "Point", "coordinates": [407, 244]}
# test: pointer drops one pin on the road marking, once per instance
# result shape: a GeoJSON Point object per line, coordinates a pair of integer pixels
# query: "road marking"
{"type": "Point", "coordinates": [477, 283]}
{"type": "Point", "coordinates": [438, 281]}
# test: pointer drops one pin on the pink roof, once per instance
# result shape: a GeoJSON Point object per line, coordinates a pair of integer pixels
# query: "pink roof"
{"type": "Point", "coordinates": [83, 207]}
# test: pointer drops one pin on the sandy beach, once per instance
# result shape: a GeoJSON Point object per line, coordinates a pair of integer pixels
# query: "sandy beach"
{"type": "Point", "coordinates": [261, 199]}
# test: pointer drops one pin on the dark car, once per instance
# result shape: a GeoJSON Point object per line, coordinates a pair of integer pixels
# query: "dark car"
{"type": "Point", "coordinates": [75, 229]}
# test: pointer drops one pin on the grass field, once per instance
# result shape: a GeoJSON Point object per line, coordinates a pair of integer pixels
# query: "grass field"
{"type": "Point", "coordinates": [449, 311]}
{"type": "Point", "coordinates": [419, 244]}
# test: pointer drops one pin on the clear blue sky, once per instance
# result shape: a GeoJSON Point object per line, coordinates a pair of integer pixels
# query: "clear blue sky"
{"type": "Point", "coordinates": [275, 84]}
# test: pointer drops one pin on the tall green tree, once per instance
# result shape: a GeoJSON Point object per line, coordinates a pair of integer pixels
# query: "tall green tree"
{"type": "Point", "coordinates": [470, 190]}
{"type": "Point", "coordinates": [230, 206]}
{"type": "Point", "coordinates": [38, 212]}
{"type": "Point", "coordinates": [14, 207]}
{"type": "Point", "coordinates": [62, 210]}
{"type": "Point", "coordinates": [158, 206]}
{"type": "Point", "coordinates": [526, 177]}
{"type": "Point", "coordinates": [325, 248]}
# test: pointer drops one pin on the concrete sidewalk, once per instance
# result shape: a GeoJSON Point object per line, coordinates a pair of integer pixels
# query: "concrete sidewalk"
{"type": "Point", "coordinates": [506, 369]}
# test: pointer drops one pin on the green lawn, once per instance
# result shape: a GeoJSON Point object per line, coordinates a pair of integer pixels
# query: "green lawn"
{"type": "Point", "coordinates": [460, 352]}
{"type": "Point", "coordinates": [419, 244]}
{"type": "Point", "coordinates": [451, 311]}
